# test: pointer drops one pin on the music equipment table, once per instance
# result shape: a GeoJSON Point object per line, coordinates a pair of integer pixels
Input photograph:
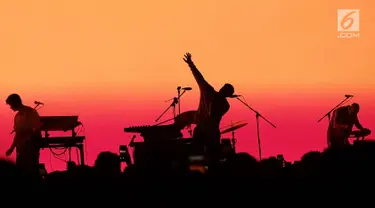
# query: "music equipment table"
{"type": "Point", "coordinates": [62, 123]}
{"type": "Point", "coordinates": [62, 141]}
{"type": "Point", "coordinates": [65, 142]}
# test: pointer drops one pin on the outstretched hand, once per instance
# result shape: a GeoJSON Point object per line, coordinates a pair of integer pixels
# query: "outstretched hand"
{"type": "Point", "coordinates": [187, 58]}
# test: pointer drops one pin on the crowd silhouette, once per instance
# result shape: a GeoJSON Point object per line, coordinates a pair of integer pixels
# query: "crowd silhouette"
{"type": "Point", "coordinates": [234, 180]}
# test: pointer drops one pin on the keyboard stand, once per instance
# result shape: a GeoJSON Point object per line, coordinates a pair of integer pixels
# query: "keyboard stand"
{"type": "Point", "coordinates": [79, 146]}
{"type": "Point", "coordinates": [68, 145]}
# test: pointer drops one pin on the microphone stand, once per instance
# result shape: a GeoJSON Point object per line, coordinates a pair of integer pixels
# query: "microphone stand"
{"type": "Point", "coordinates": [179, 100]}
{"type": "Point", "coordinates": [329, 112]}
{"type": "Point", "coordinates": [37, 105]}
{"type": "Point", "coordinates": [173, 104]}
{"type": "Point", "coordinates": [171, 119]}
{"type": "Point", "coordinates": [175, 101]}
{"type": "Point", "coordinates": [328, 115]}
{"type": "Point", "coordinates": [257, 115]}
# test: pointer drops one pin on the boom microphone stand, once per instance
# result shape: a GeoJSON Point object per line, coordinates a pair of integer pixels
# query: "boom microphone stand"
{"type": "Point", "coordinates": [179, 88]}
{"type": "Point", "coordinates": [172, 105]}
{"type": "Point", "coordinates": [347, 97]}
{"type": "Point", "coordinates": [328, 115]}
{"type": "Point", "coordinates": [257, 115]}
{"type": "Point", "coordinates": [179, 101]}
{"type": "Point", "coordinates": [175, 100]}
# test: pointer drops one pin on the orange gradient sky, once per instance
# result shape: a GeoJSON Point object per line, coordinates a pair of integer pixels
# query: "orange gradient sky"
{"type": "Point", "coordinates": [114, 63]}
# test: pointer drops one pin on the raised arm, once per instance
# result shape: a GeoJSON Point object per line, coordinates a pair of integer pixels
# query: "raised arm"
{"type": "Point", "coordinates": [202, 83]}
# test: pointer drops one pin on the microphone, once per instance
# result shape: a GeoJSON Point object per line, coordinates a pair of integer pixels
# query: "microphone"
{"type": "Point", "coordinates": [235, 96]}
{"type": "Point", "coordinates": [38, 103]}
{"type": "Point", "coordinates": [349, 96]}
{"type": "Point", "coordinates": [184, 88]}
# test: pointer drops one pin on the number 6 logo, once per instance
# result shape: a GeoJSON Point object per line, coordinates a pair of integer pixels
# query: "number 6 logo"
{"type": "Point", "coordinates": [348, 20]}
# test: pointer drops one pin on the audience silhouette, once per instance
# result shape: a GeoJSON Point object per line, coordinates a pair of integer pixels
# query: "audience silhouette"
{"type": "Point", "coordinates": [335, 169]}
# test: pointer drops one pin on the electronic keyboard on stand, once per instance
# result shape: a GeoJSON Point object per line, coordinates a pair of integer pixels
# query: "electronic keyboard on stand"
{"type": "Point", "coordinates": [65, 124]}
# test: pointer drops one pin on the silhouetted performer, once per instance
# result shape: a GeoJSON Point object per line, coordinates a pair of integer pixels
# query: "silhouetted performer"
{"type": "Point", "coordinates": [212, 107]}
{"type": "Point", "coordinates": [341, 125]}
{"type": "Point", "coordinates": [27, 135]}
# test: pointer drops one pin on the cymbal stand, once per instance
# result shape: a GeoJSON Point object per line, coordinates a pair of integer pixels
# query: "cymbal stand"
{"type": "Point", "coordinates": [234, 141]}
{"type": "Point", "coordinates": [190, 130]}
{"type": "Point", "coordinates": [257, 116]}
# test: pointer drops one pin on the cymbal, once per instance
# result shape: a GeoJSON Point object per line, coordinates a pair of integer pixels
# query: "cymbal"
{"type": "Point", "coordinates": [234, 127]}
{"type": "Point", "coordinates": [233, 124]}
{"type": "Point", "coordinates": [186, 118]}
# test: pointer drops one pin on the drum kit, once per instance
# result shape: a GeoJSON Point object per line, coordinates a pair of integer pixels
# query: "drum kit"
{"type": "Point", "coordinates": [232, 128]}
{"type": "Point", "coordinates": [187, 118]}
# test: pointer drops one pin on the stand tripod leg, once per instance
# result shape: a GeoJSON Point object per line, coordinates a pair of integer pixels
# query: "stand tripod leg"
{"type": "Point", "coordinates": [174, 112]}
{"type": "Point", "coordinates": [233, 142]}
{"type": "Point", "coordinates": [259, 146]}
{"type": "Point", "coordinates": [70, 154]}
{"type": "Point", "coordinates": [257, 115]}
{"type": "Point", "coordinates": [82, 154]}
{"type": "Point", "coordinates": [179, 102]}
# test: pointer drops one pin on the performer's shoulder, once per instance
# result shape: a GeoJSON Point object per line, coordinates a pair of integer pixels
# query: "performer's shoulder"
{"type": "Point", "coordinates": [31, 110]}
{"type": "Point", "coordinates": [342, 108]}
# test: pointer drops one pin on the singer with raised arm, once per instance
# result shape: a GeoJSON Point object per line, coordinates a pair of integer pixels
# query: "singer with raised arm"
{"type": "Point", "coordinates": [212, 107]}
{"type": "Point", "coordinates": [27, 135]}
{"type": "Point", "coordinates": [341, 124]}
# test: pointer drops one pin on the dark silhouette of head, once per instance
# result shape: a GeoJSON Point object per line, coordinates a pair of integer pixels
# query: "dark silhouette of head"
{"type": "Point", "coordinates": [354, 108]}
{"type": "Point", "coordinates": [14, 101]}
{"type": "Point", "coordinates": [227, 90]}
{"type": "Point", "coordinates": [108, 163]}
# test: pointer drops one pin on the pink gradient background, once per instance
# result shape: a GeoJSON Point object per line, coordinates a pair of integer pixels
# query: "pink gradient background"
{"type": "Point", "coordinates": [115, 63]}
